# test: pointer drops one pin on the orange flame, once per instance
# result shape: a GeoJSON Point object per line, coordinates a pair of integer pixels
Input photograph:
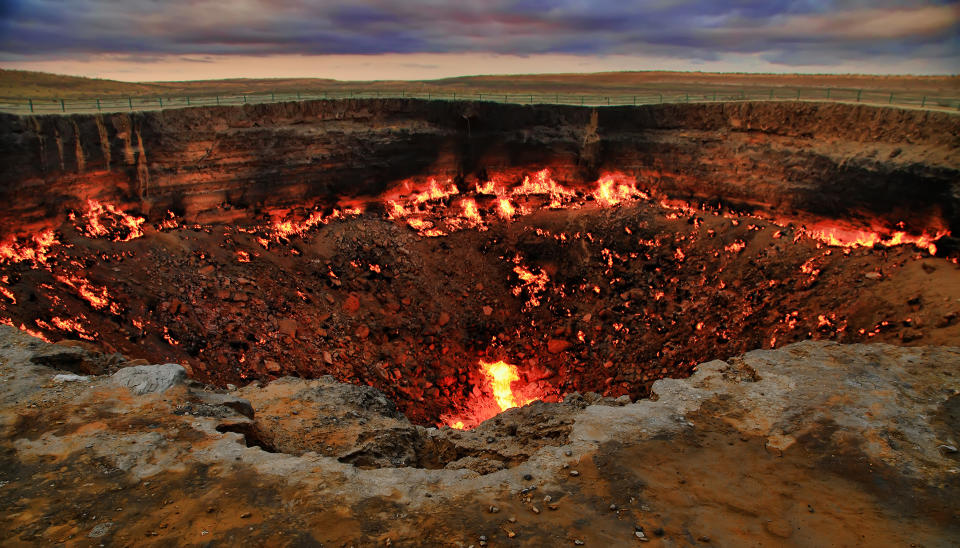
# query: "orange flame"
{"type": "Point", "coordinates": [501, 375]}
{"type": "Point", "coordinates": [123, 227]}
{"type": "Point", "coordinates": [848, 237]}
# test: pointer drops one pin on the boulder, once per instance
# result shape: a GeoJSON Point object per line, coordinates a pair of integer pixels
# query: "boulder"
{"type": "Point", "coordinates": [147, 379]}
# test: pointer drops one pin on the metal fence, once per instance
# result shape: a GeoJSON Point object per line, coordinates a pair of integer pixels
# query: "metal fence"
{"type": "Point", "coordinates": [142, 103]}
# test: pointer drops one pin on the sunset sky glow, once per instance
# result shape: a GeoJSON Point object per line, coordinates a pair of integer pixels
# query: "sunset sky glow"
{"type": "Point", "coordinates": [416, 39]}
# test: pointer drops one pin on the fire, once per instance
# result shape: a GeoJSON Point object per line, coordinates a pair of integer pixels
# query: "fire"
{"type": "Point", "coordinates": [850, 237]}
{"type": "Point", "coordinates": [505, 208]}
{"type": "Point", "coordinates": [283, 230]}
{"type": "Point", "coordinates": [436, 192]}
{"type": "Point", "coordinates": [8, 294]}
{"type": "Point", "coordinates": [543, 184]}
{"type": "Point", "coordinates": [497, 395]}
{"type": "Point", "coordinates": [108, 220]}
{"type": "Point", "coordinates": [99, 298]}
{"type": "Point", "coordinates": [35, 249]}
{"type": "Point", "coordinates": [613, 189]}
{"type": "Point", "coordinates": [501, 375]}
{"type": "Point", "coordinates": [534, 283]}
{"type": "Point", "coordinates": [470, 211]}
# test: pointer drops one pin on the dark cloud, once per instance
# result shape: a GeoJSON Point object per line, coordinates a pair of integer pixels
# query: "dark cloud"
{"type": "Point", "coordinates": [787, 31]}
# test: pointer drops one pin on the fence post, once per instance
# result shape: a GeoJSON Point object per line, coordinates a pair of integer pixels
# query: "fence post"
{"type": "Point", "coordinates": [273, 97]}
{"type": "Point", "coordinates": [688, 98]}
{"type": "Point", "coordinates": [244, 98]}
{"type": "Point", "coordinates": [31, 104]}
{"type": "Point", "coordinates": [634, 100]}
{"type": "Point", "coordinates": [130, 103]}
{"type": "Point", "coordinates": [298, 96]}
{"type": "Point", "coordinates": [798, 94]}
{"type": "Point", "coordinates": [661, 98]}
{"type": "Point", "coordinates": [771, 94]}
{"type": "Point", "coordinates": [859, 92]}
{"type": "Point", "coordinates": [828, 93]}
{"type": "Point", "coordinates": [581, 100]}
{"type": "Point", "coordinates": [608, 100]}
{"type": "Point", "coordinates": [98, 104]}
{"type": "Point", "coordinates": [481, 97]}
{"type": "Point", "coordinates": [63, 106]}
{"type": "Point", "coordinates": [504, 98]}
{"type": "Point", "coordinates": [923, 103]}
{"type": "Point", "coordinates": [161, 101]}
{"type": "Point", "coordinates": [714, 95]}
{"type": "Point", "coordinates": [454, 96]}
{"type": "Point", "coordinates": [188, 101]}
{"type": "Point", "coordinates": [218, 100]}
{"type": "Point", "coordinates": [890, 102]}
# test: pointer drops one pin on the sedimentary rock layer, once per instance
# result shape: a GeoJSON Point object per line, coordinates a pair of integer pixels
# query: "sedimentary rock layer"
{"type": "Point", "coordinates": [222, 163]}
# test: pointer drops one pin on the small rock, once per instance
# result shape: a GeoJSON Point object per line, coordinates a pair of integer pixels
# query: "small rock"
{"type": "Point", "coordinates": [487, 310]}
{"type": "Point", "coordinates": [909, 334]}
{"type": "Point", "coordinates": [579, 542]}
{"type": "Point", "coordinates": [245, 515]}
{"type": "Point", "coordinates": [69, 377]}
{"type": "Point", "coordinates": [444, 319]}
{"type": "Point", "coordinates": [574, 473]}
{"type": "Point", "coordinates": [555, 346]}
{"type": "Point", "coordinates": [527, 477]}
{"type": "Point", "coordinates": [288, 327]}
{"type": "Point", "coordinates": [873, 275]}
{"type": "Point", "coordinates": [494, 509]}
{"type": "Point", "coordinates": [534, 509]}
{"type": "Point", "coordinates": [568, 453]}
{"type": "Point", "coordinates": [100, 530]}
{"type": "Point", "coordinates": [613, 507]}
{"type": "Point", "coordinates": [944, 448]}
{"type": "Point", "coordinates": [271, 366]}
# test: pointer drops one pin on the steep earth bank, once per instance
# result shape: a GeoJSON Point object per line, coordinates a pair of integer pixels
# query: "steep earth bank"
{"type": "Point", "coordinates": [869, 164]}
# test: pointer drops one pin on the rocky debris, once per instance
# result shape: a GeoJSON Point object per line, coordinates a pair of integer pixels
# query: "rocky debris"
{"type": "Point", "coordinates": [78, 357]}
{"type": "Point", "coordinates": [148, 379]}
{"type": "Point", "coordinates": [867, 428]}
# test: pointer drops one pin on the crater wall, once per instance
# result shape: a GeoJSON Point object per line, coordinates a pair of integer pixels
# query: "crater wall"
{"type": "Point", "coordinates": [884, 165]}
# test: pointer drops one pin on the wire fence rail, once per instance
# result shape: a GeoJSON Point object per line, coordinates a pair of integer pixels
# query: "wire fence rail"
{"type": "Point", "coordinates": [143, 103]}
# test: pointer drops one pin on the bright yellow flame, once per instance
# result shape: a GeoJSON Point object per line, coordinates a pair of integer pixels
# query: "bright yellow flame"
{"type": "Point", "coordinates": [502, 375]}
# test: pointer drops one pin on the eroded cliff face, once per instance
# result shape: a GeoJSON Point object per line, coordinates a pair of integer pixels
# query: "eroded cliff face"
{"type": "Point", "coordinates": [860, 163]}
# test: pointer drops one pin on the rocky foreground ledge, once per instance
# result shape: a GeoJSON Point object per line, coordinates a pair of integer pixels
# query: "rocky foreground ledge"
{"type": "Point", "coordinates": [814, 444]}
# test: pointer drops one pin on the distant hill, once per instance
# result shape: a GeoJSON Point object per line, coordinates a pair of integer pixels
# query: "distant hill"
{"type": "Point", "coordinates": [25, 84]}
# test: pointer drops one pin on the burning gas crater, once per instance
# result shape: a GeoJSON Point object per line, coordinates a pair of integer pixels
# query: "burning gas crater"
{"type": "Point", "coordinates": [460, 299]}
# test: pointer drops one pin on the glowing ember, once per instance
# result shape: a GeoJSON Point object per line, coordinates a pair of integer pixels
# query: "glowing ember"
{"type": "Point", "coordinates": [8, 294]}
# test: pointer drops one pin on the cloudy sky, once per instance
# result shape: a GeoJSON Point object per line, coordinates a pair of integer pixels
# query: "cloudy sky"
{"type": "Point", "coordinates": [386, 39]}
